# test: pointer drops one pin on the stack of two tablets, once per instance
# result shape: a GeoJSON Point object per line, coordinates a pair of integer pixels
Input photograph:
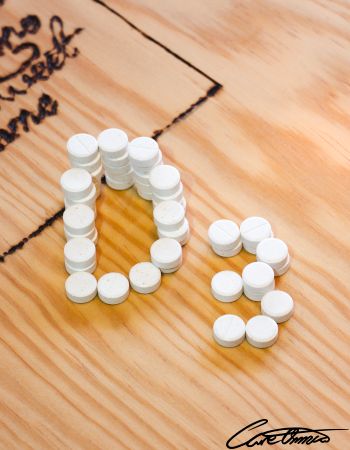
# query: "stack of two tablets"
{"type": "Point", "coordinates": [79, 222]}
{"type": "Point", "coordinates": [171, 222]}
{"type": "Point", "coordinates": [144, 154]}
{"type": "Point", "coordinates": [166, 254]}
{"type": "Point", "coordinates": [78, 188]}
{"type": "Point", "coordinates": [166, 185]}
{"type": "Point", "coordinates": [83, 154]}
{"type": "Point", "coordinates": [80, 255]}
{"type": "Point", "coordinates": [225, 238]}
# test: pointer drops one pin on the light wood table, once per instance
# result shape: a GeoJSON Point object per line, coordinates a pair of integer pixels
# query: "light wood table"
{"type": "Point", "coordinates": [251, 101]}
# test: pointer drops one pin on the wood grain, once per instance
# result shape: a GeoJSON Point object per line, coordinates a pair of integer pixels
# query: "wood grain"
{"type": "Point", "coordinates": [147, 373]}
{"type": "Point", "coordinates": [118, 79]}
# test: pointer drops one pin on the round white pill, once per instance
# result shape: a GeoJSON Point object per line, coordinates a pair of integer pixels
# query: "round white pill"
{"type": "Point", "coordinates": [117, 171]}
{"type": "Point", "coordinates": [120, 178]}
{"type": "Point", "coordinates": [181, 235]}
{"type": "Point", "coordinates": [143, 171]}
{"type": "Point", "coordinates": [224, 234]}
{"type": "Point", "coordinates": [227, 286]}
{"type": "Point", "coordinates": [113, 142]}
{"type": "Point", "coordinates": [165, 180]}
{"type": "Point", "coordinates": [143, 152]}
{"type": "Point", "coordinates": [283, 269]}
{"type": "Point", "coordinates": [81, 287]}
{"type": "Point", "coordinates": [92, 235]}
{"type": "Point", "coordinates": [119, 161]}
{"type": "Point", "coordinates": [88, 268]}
{"type": "Point", "coordinates": [82, 148]}
{"type": "Point", "coordinates": [166, 253]}
{"type": "Point", "coordinates": [76, 183]}
{"type": "Point", "coordinates": [172, 270]}
{"type": "Point", "coordinates": [142, 179]}
{"type": "Point", "coordinates": [261, 331]}
{"type": "Point", "coordinates": [88, 200]}
{"type": "Point", "coordinates": [254, 230]}
{"type": "Point", "coordinates": [145, 277]}
{"type": "Point", "coordinates": [176, 197]}
{"type": "Point", "coordinates": [79, 219]}
{"type": "Point", "coordinates": [180, 199]}
{"type": "Point", "coordinates": [258, 275]}
{"type": "Point", "coordinates": [229, 330]}
{"type": "Point", "coordinates": [228, 253]}
{"type": "Point", "coordinates": [278, 305]}
{"type": "Point", "coordinates": [272, 251]}
{"type": "Point", "coordinates": [119, 185]}
{"type": "Point", "coordinates": [143, 185]}
{"type": "Point", "coordinates": [92, 168]}
{"type": "Point", "coordinates": [113, 288]}
{"type": "Point", "coordinates": [144, 193]}
{"type": "Point", "coordinates": [80, 252]}
{"type": "Point", "coordinates": [169, 215]}
{"type": "Point", "coordinates": [90, 203]}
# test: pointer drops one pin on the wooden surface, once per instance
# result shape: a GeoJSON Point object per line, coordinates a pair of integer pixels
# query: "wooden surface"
{"type": "Point", "coordinates": [116, 79]}
{"type": "Point", "coordinates": [273, 142]}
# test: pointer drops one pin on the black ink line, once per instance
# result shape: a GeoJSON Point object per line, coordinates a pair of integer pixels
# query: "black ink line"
{"type": "Point", "coordinates": [210, 93]}
{"type": "Point", "coordinates": [155, 41]}
{"type": "Point", "coordinates": [40, 229]}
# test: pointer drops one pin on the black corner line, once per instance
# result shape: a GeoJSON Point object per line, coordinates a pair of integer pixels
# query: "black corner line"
{"type": "Point", "coordinates": [155, 41]}
{"type": "Point", "coordinates": [156, 134]}
{"type": "Point", "coordinates": [48, 222]}
{"type": "Point", "coordinates": [210, 93]}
